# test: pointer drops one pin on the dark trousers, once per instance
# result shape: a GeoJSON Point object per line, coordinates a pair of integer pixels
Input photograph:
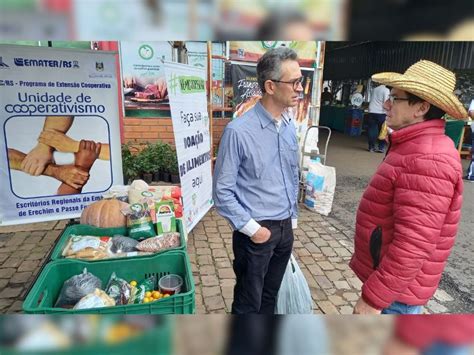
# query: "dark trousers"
{"type": "Point", "coordinates": [253, 334]}
{"type": "Point", "coordinates": [259, 268]}
{"type": "Point", "coordinates": [374, 124]}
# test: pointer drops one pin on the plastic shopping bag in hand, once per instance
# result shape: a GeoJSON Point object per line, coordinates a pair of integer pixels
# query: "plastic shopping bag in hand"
{"type": "Point", "coordinates": [294, 296]}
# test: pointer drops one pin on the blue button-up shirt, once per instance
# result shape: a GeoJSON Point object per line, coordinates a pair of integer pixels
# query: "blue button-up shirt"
{"type": "Point", "coordinates": [256, 172]}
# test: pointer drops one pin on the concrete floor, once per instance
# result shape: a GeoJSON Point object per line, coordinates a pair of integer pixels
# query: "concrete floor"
{"type": "Point", "coordinates": [354, 168]}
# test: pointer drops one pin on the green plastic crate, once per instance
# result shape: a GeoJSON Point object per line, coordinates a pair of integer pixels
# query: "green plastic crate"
{"type": "Point", "coordinates": [158, 340]}
{"type": "Point", "coordinates": [44, 293]}
{"type": "Point", "coordinates": [84, 229]}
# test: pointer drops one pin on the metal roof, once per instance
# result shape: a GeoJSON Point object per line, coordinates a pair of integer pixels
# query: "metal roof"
{"type": "Point", "coordinates": [359, 60]}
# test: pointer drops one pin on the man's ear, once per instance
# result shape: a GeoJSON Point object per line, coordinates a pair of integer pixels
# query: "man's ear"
{"type": "Point", "coordinates": [423, 109]}
{"type": "Point", "coordinates": [269, 87]}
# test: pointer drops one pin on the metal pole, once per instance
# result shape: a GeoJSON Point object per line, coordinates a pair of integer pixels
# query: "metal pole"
{"type": "Point", "coordinates": [209, 98]}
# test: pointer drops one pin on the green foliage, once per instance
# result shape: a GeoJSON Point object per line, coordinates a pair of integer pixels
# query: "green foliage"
{"type": "Point", "coordinates": [145, 160]}
{"type": "Point", "coordinates": [173, 163]}
{"type": "Point", "coordinates": [129, 164]}
{"type": "Point", "coordinates": [154, 157]}
{"type": "Point", "coordinates": [169, 156]}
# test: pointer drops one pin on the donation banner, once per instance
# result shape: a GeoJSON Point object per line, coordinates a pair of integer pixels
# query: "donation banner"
{"type": "Point", "coordinates": [187, 94]}
{"type": "Point", "coordinates": [60, 135]}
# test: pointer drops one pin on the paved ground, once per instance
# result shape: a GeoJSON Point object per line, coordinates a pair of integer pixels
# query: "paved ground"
{"type": "Point", "coordinates": [23, 249]}
{"type": "Point", "coordinates": [323, 246]}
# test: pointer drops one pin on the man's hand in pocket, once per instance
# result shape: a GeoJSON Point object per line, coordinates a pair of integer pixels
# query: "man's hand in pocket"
{"type": "Point", "coordinates": [261, 236]}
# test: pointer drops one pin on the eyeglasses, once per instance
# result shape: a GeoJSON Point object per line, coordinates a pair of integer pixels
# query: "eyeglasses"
{"type": "Point", "coordinates": [393, 98]}
{"type": "Point", "coordinates": [296, 83]}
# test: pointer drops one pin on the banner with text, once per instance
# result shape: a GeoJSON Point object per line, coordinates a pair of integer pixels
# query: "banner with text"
{"type": "Point", "coordinates": [60, 134]}
{"type": "Point", "coordinates": [188, 103]}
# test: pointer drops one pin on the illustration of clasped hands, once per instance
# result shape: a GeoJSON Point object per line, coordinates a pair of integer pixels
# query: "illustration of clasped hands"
{"type": "Point", "coordinates": [40, 161]}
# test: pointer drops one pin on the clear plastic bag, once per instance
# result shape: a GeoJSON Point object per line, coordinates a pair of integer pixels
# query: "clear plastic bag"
{"type": "Point", "coordinates": [139, 221]}
{"type": "Point", "coordinates": [77, 287]}
{"type": "Point", "coordinates": [96, 299]}
{"type": "Point", "coordinates": [86, 247]}
{"type": "Point", "coordinates": [122, 244]}
{"type": "Point", "coordinates": [119, 289]}
{"type": "Point", "coordinates": [161, 242]}
{"type": "Point", "coordinates": [294, 296]}
{"type": "Point", "coordinates": [138, 293]}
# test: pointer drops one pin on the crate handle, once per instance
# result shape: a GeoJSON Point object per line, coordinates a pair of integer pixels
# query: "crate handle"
{"type": "Point", "coordinates": [42, 298]}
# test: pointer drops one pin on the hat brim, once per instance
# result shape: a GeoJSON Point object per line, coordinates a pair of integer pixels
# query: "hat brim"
{"type": "Point", "coordinates": [424, 89]}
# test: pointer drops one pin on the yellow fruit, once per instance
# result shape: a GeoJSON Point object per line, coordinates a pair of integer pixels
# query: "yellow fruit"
{"type": "Point", "coordinates": [133, 283]}
{"type": "Point", "coordinates": [166, 295]}
{"type": "Point", "coordinates": [156, 295]}
{"type": "Point", "coordinates": [148, 294]}
{"type": "Point", "coordinates": [146, 300]}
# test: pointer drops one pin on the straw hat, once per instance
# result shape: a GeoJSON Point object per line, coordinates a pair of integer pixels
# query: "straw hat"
{"type": "Point", "coordinates": [429, 81]}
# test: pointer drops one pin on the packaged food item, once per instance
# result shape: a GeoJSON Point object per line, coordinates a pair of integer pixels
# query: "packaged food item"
{"type": "Point", "coordinates": [138, 292]}
{"type": "Point", "coordinates": [96, 299]}
{"type": "Point", "coordinates": [165, 218]}
{"type": "Point", "coordinates": [139, 223]}
{"type": "Point", "coordinates": [77, 287]}
{"type": "Point", "coordinates": [148, 199]}
{"type": "Point", "coordinates": [159, 243]}
{"type": "Point", "coordinates": [119, 289]}
{"type": "Point", "coordinates": [170, 284]}
{"type": "Point", "coordinates": [135, 191]}
{"type": "Point", "coordinates": [121, 244]}
{"type": "Point", "coordinates": [119, 192]}
{"type": "Point", "coordinates": [86, 247]}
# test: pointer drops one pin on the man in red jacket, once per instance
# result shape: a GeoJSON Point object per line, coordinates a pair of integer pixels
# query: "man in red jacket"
{"type": "Point", "coordinates": [408, 217]}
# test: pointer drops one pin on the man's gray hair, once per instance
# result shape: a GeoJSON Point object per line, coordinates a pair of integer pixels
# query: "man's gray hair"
{"type": "Point", "coordinates": [269, 65]}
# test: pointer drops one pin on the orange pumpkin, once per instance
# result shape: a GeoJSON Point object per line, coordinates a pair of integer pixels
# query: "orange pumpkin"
{"type": "Point", "coordinates": [105, 214]}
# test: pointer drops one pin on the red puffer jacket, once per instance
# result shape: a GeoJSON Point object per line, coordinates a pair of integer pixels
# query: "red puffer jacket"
{"type": "Point", "coordinates": [408, 217]}
{"type": "Point", "coordinates": [422, 331]}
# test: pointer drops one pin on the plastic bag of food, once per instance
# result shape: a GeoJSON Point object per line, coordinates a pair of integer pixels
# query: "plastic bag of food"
{"type": "Point", "coordinates": [86, 247]}
{"type": "Point", "coordinates": [77, 287]}
{"type": "Point", "coordinates": [119, 192]}
{"type": "Point", "coordinates": [121, 244]}
{"type": "Point", "coordinates": [96, 299]}
{"type": "Point", "coordinates": [119, 289]}
{"type": "Point", "coordinates": [161, 242]}
{"type": "Point", "coordinates": [138, 292]}
{"type": "Point", "coordinates": [139, 222]}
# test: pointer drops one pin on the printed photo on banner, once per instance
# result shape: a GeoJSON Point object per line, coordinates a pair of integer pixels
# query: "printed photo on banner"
{"type": "Point", "coordinates": [247, 92]}
{"type": "Point", "coordinates": [59, 153]}
{"type": "Point", "coordinates": [144, 83]}
{"type": "Point", "coordinates": [251, 51]}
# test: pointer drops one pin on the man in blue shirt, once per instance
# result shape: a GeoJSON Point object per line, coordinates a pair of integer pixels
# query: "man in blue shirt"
{"type": "Point", "coordinates": [256, 183]}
